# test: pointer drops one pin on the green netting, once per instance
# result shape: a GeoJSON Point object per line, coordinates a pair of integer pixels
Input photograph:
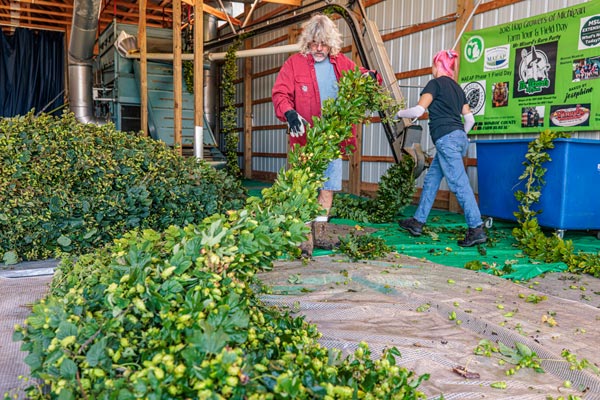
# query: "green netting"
{"type": "Point", "coordinates": [252, 184]}
{"type": "Point", "coordinates": [438, 244]}
{"type": "Point", "coordinates": [443, 229]}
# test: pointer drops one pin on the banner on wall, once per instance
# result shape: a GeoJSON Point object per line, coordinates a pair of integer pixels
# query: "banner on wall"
{"type": "Point", "coordinates": [534, 74]}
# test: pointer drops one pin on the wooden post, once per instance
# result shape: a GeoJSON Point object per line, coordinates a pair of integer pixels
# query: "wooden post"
{"type": "Point", "coordinates": [463, 10]}
{"type": "Point", "coordinates": [177, 76]}
{"type": "Point", "coordinates": [199, 79]}
{"type": "Point", "coordinates": [354, 161]}
{"type": "Point", "coordinates": [248, 113]}
{"type": "Point", "coordinates": [143, 68]}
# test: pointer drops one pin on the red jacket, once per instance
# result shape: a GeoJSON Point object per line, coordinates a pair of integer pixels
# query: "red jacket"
{"type": "Point", "coordinates": [296, 88]}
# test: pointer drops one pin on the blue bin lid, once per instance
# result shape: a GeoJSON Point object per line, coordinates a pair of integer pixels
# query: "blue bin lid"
{"type": "Point", "coordinates": [568, 140]}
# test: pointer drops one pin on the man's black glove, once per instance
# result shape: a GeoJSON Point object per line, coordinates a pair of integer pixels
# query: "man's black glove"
{"type": "Point", "coordinates": [371, 74]}
{"type": "Point", "coordinates": [295, 123]}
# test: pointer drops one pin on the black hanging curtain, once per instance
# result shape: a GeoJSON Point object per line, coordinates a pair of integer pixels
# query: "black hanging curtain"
{"type": "Point", "coordinates": [31, 71]}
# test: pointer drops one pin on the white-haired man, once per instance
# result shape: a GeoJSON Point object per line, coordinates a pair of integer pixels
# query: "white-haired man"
{"type": "Point", "coordinates": [304, 82]}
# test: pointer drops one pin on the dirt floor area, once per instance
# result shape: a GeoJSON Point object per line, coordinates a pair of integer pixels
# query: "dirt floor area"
{"type": "Point", "coordinates": [327, 236]}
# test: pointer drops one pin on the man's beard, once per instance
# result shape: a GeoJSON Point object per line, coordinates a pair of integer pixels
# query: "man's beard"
{"type": "Point", "coordinates": [319, 56]}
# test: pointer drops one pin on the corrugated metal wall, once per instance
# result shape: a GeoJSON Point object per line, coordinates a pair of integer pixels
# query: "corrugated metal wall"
{"type": "Point", "coordinates": [408, 52]}
{"type": "Point", "coordinates": [269, 139]}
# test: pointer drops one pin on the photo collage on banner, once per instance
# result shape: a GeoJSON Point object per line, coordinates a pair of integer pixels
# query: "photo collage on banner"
{"type": "Point", "coordinates": [535, 74]}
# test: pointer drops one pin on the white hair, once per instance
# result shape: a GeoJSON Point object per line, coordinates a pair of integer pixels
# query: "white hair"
{"type": "Point", "coordinates": [320, 29]}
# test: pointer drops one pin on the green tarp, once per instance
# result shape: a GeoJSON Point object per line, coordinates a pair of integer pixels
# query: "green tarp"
{"type": "Point", "coordinates": [438, 244]}
{"type": "Point", "coordinates": [443, 229]}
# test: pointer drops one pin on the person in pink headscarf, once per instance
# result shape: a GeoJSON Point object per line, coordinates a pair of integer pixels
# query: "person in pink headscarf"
{"type": "Point", "coordinates": [450, 119]}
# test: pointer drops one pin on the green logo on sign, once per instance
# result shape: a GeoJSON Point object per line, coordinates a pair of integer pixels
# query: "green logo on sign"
{"type": "Point", "coordinates": [474, 49]}
{"type": "Point", "coordinates": [590, 32]}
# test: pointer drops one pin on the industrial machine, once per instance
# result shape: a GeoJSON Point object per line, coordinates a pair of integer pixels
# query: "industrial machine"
{"type": "Point", "coordinates": [117, 95]}
{"type": "Point", "coordinates": [116, 91]}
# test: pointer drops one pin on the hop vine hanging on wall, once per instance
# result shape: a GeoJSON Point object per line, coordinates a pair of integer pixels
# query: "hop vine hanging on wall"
{"type": "Point", "coordinates": [529, 235]}
{"type": "Point", "coordinates": [229, 113]}
{"type": "Point", "coordinates": [188, 76]}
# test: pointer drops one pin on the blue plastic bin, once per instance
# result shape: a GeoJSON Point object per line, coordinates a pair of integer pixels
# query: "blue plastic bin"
{"type": "Point", "coordinates": [571, 196]}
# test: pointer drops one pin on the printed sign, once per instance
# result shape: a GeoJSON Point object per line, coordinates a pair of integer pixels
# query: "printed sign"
{"type": "Point", "coordinates": [535, 74]}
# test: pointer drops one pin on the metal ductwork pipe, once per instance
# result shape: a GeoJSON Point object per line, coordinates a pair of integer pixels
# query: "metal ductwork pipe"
{"type": "Point", "coordinates": [263, 51]}
{"type": "Point", "coordinates": [210, 75]}
{"type": "Point", "coordinates": [81, 56]}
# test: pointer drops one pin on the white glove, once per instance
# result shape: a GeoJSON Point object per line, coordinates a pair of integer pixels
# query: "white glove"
{"type": "Point", "coordinates": [469, 122]}
{"type": "Point", "coordinates": [413, 112]}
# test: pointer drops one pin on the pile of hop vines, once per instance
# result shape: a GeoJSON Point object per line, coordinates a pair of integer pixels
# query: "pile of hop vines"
{"type": "Point", "coordinates": [172, 315]}
{"type": "Point", "coordinates": [395, 192]}
{"type": "Point", "coordinates": [147, 319]}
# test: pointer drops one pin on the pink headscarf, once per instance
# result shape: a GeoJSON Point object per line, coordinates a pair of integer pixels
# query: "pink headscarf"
{"type": "Point", "coordinates": [445, 61]}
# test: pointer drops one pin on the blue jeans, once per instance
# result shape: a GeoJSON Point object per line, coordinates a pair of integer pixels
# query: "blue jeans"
{"type": "Point", "coordinates": [333, 175]}
{"type": "Point", "coordinates": [448, 163]}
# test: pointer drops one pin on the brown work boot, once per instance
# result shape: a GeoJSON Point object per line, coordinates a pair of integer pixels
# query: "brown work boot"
{"type": "Point", "coordinates": [323, 240]}
{"type": "Point", "coordinates": [306, 247]}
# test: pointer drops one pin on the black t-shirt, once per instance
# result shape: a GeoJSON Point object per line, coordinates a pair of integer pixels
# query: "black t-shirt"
{"type": "Point", "coordinates": [445, 111]}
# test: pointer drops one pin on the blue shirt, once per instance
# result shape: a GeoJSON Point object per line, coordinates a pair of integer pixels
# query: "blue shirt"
{"type": "Point", "coordinates": [328, 87]}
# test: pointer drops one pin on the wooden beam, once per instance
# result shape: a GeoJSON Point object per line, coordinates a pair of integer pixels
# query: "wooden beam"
{"type": "Point", "coordinates": [463, 24]}
{"type": "Point", "coordinates": [217, 13]}
{"type": "Point", "coordinates": [177, 78]}
{"type": "Point", "coordinates": [28, 19]}
{"type": "Point", "coordinates": [142, 42]}
{"type": "Point", "coordinates": [38, 11]}
{"type": "Point", "coordinates": [463, 10]}
{"type": "Point", "coordinates": [494, 5]}
{"type": "Point", "coordinates": [249, 12]}
{"type": "Point", "coordinates": [45, 3]}
{"type": "Point", "coordinates": [413, 73]}
{"type": "Point", "coordinates": [220, 14]}
{"type": "Point", "coordinates": [355, 160]}
{"type": "Point", "coordinates": [198, 81]}
{"type": "Point", "coordinates": [419, 27]}
{"type": "Point", "coordinates": [132, 17]}
{"type": "Point", "coordinates": [274, 12]}
{"type": "Point", "coordinates": [288, 2]}
{"type": "Point", "coordinates": [32, 26]}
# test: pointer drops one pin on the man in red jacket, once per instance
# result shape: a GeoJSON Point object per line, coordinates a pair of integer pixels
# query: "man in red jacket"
{"type": "Point", "coordinates": [304, 82]}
